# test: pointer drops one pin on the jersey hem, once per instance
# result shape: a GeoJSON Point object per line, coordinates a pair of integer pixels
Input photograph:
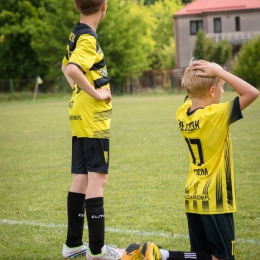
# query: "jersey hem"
{"type": "Point", "coordinates": [211, 213]}
{"type": "Point", "coordinates": [92, 137]}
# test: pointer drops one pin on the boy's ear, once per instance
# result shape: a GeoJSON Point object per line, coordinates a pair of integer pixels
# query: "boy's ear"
{"type": "Point", "coordinates": [104, 6]}
{"type": "Point", "coordinates": [77, 8]}
{"type": "Point", "coordinates": [212, 91]}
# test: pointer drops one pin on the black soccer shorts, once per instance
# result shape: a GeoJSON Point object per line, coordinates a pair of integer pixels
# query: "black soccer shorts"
{"type": "Point", "coordinates": [89, 155]}
{"type": "Point", "coordinates": [213, 234]}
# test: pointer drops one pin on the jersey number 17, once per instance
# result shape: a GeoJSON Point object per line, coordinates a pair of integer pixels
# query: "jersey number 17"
{"type": "Point", "coordinates": [195, 148]}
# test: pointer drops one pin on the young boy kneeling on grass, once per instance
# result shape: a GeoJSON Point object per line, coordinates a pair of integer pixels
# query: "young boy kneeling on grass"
{"type": "Point", "coordinates": [204, 122]}
{"type": "Point", "coordinates": [210, 187]}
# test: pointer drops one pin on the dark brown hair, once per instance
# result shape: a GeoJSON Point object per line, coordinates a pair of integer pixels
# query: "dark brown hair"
{"type": "Point", "coordinates": [87, 7]}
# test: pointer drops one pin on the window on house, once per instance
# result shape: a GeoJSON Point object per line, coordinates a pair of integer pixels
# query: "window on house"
{"type": "Point", "coordinates": [217, 25]}
{"type": "Point", "coordinates": [237, 22]}
{"type": "Point", "coordinates": [195, 26]}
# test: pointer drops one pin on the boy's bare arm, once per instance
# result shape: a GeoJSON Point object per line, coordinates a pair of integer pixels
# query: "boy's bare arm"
{"type": "Point", "coordinates": [247, 92]}
{"type": "Point", "coordinates": [69, 79]}
{"type": "Point", "coordinates": [78, 77]}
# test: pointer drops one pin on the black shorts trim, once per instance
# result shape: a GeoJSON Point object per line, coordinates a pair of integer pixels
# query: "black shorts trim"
{"type": "Point", "coordinates": [89, 155]}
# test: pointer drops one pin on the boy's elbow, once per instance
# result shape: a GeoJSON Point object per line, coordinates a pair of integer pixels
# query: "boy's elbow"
{"type": "Point", "coordinates": [255, 93]}
{"type": "Point", "coordinates": [63, 68]}
{"type": "Point", "coordinates": [71, 70]}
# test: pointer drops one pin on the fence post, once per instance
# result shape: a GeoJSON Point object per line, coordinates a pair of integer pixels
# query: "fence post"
{"type": "Point", "coordinates": [172, 83]}
{"type": "Point", "coordinates": [154, 82]}
{"type": "Point", "coordinates": [63, 84]}
{"type": "Point", "coordinates": [11, 87]}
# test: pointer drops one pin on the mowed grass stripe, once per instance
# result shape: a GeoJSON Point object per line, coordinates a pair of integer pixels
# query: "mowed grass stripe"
{"type": "Point", "coordinates": [120, 231]}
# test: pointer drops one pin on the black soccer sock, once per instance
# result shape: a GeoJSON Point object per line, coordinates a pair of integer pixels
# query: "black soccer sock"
{"type": "Point", "coordinates": [96, 224]}
{"type": "Point", "coordinates": [178, 255]}
{"type": "Point", "coordinates": [75, 210]}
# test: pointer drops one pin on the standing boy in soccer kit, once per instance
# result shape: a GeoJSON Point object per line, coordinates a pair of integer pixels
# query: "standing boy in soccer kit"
{"type": "Point", "coordinates": [90, 111]}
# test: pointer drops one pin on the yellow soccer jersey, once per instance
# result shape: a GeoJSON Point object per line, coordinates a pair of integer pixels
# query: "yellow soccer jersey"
{"type": "Point", "coordinates": [210, 184]}
{"type": "Point", "coordinates": [88, 117]}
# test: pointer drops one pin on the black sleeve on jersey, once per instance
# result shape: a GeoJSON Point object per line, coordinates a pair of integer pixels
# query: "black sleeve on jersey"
{"type": "Point", "coordinates": [236, 112]}
{"type": "Point", "coordinates": [84, 72]}
{"type": "Point", "coordinates": [186, 98]}
{"type": "Point", "coordinates": [79, 30]}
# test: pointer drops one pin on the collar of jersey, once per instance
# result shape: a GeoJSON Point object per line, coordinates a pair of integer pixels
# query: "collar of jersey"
{"type": "Point", "coordinates": [193, 111]}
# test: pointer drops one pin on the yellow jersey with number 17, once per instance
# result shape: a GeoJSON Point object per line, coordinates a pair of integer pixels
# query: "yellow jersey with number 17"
{"type": "Point", "coordinates": [210, 186]}
{"type": "Point", "coordinates": [88, 117]}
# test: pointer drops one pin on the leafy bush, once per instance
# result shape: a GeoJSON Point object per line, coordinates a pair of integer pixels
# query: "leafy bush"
{"type": "Point", "coordinates": [246, 64]}
{"type": "Point", "coordinates": [207, 49]}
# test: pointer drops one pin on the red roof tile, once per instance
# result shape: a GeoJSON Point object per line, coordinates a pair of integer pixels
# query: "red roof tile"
{"type": "Point", "coordinates": [204, 6]}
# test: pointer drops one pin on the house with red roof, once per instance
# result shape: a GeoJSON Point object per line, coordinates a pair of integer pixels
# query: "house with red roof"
{"type": "Point", "coordinates": [235, 20]}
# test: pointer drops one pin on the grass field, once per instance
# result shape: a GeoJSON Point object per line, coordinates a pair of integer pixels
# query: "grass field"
{"type": "Point", "coordinates": [148, 168]}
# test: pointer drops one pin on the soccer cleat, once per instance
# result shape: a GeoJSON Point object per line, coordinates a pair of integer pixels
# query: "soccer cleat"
{"type": "Point", "coordinates": [72, 252]}
{"type": "Point", "coordinates": [151, 251]}
{"type": "Point", "coordinates": [132, 252]}
{"type": "Point", "coordinates": [108, 252]}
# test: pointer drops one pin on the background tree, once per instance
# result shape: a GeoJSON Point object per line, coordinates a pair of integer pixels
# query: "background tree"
{"type": "Point", "coordinates": [186, 1]}
{"type": "Point", "coordinates": [207, 49]}
{"type": "Point", "coordinates": [50, 33]}
{"type": "Point", "coordinates": [135, 37]}
{"type": "Point", "coordinates": [246, 64]}
{"type": "Point", "coordinates": [148, 2]}
{"type": "Point", "coordinates": [222, 52]}
{"type": "Point", "coordinates": [163, 55]}
{"type": "Point", "coordinates": [17, 57]}
{"type": "Point", "coordinates": [125, 37]}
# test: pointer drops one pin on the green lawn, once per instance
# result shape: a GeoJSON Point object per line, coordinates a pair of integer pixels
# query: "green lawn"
{"type": "Point", "coordinates": [148, 168]}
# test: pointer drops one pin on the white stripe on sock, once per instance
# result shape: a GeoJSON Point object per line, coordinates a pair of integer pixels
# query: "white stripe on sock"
{"type": "Point", "coordinates": [190, 255]}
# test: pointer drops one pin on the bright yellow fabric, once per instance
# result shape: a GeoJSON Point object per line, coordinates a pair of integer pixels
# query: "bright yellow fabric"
{"type": "Point", "coordinates": [88, 117]}
{"type": "Point", "coordinates": [210, 184]}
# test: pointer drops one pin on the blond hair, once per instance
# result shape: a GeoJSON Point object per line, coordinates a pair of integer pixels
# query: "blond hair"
{"type": "Point", "coordinates": [87, 7]}
{"type": "Point", "coordinates": [197, 86]}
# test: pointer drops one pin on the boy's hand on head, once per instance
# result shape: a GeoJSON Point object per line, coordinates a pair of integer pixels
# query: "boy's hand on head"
{"type": "Point", "coordinates": [105, 94]}
{"type": "Point", "coordinates": [206, 68]}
